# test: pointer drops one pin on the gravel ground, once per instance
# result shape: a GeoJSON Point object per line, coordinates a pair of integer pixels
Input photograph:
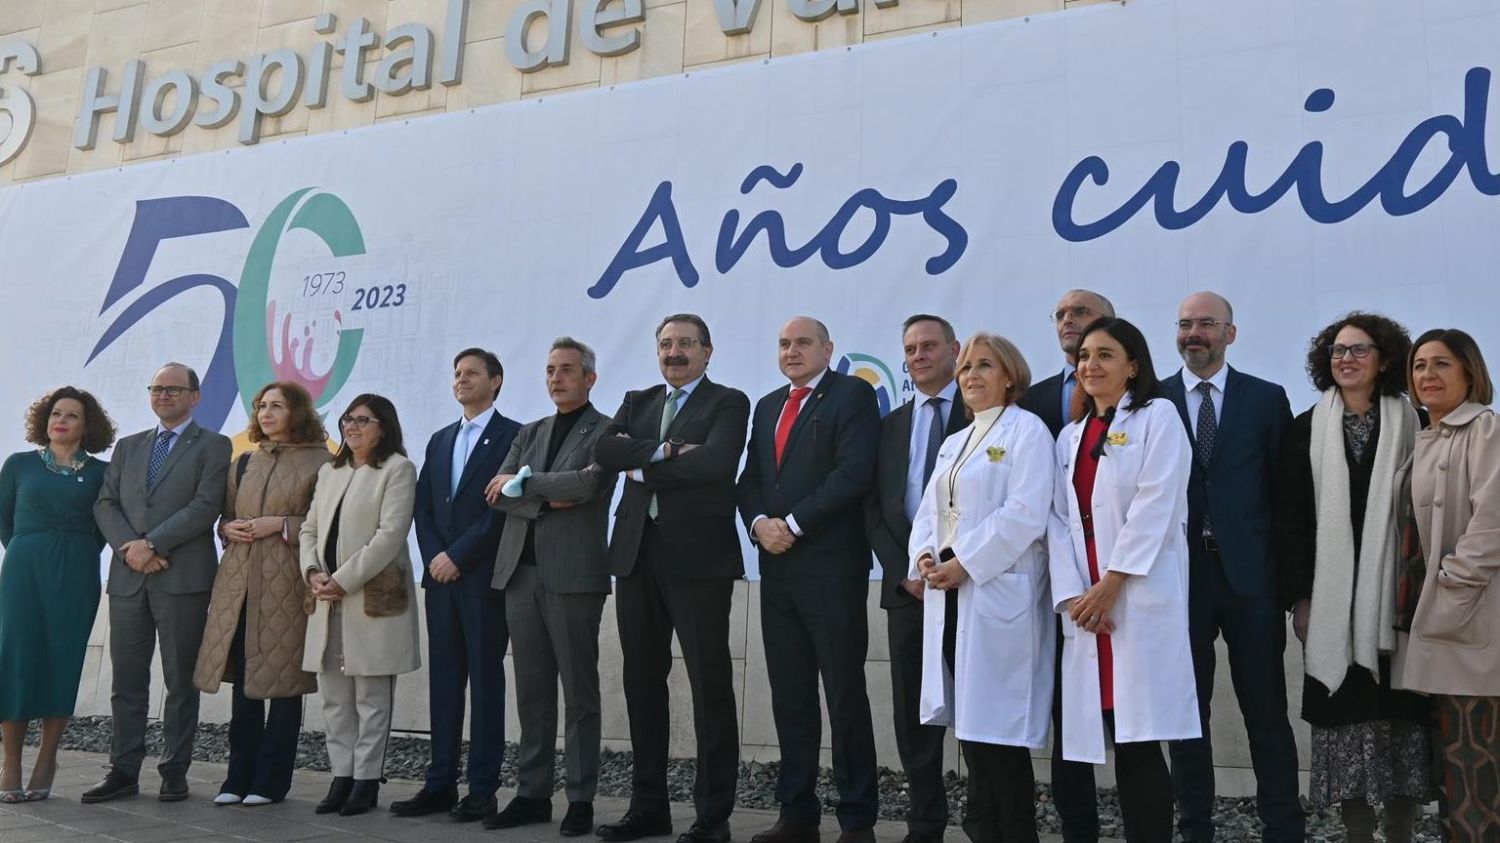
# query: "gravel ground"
{"type": "Point", "coordinates": [408, 756]}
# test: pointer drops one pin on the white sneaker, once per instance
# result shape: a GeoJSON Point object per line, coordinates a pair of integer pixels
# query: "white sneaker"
{"type": "Point", "coordinates": [227, 799]}
{"type": "Point", "coordinates": [255, 799]}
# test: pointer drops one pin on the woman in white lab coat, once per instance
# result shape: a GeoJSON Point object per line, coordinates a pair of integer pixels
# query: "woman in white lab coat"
{"type": "Point", "coordinates": [979, 542]}
{"type": "Point", "coordinates": [1119, 565]}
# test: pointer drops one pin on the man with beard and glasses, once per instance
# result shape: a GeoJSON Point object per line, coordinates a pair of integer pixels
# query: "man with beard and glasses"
{"type": "Point", "coordinates": [1236, 423]}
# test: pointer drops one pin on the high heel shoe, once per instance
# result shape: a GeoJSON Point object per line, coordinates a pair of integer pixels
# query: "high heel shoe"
{"type": "Point", "coordinates": [38, 794]}
{"type": "Point", "coordinates": [12, 797]}
{"type": "Point", "coordinates": [364, 795]}
{"type": "Point", "coordinates": [338, 794]}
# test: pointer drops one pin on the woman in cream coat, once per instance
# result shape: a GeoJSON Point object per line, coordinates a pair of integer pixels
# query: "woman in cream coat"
{"type": "Point", "coordinates": [1119, 568]}
{"type": "Point", "coordinates": [364, 628]}
{"type": "Point", "coordinates": [1453, 649]}
{"type": "Point", "coordinates": [978, 540]}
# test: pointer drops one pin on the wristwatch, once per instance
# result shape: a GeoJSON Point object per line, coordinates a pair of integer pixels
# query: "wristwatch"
{"type": "Point", "coordinates": [676, 446]}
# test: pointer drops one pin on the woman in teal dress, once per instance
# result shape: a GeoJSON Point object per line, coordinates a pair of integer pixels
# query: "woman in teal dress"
{"type": "Point", "coordinates": [49, 579]}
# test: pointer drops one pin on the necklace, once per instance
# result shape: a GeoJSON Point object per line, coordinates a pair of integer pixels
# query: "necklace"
{"type": "Point", "coordinates": [965, 457]}
{"type": "Point", "coordinates": [66, 469]}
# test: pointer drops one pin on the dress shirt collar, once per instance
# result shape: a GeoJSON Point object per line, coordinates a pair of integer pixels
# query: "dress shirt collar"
{"type": "Point", "coordinates": [1190, 381]}
{"type": "Point", "coordinates": [812, 385]}
{"type": "Point", "coordinates": [480, 421]}
{"type": "Point", "coordinates": [176, 431]}
{"type": "Point", "coordinates": [948, 393]}
{"type": "Point", "coordinates": [687, 388]}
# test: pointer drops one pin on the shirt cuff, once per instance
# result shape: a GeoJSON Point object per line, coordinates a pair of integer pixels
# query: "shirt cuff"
{"type": "Point", "coordinates": [753, 521]}
{"type": "Point", "coordinates": [637, 475]}
{"type": "Point", "coordinates": [791, 522]}
{"type": "Point", "coordinates": [660, 453]}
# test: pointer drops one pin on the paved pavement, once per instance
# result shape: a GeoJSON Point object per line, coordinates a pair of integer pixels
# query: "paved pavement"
{"type": "Point", "coordinates": [142, 819]}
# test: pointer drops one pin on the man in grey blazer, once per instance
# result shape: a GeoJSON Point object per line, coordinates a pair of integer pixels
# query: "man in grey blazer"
{"type": "Point", "coordinates": [162, 492]}
{"type": "Point", "coordinates": [551, 565]}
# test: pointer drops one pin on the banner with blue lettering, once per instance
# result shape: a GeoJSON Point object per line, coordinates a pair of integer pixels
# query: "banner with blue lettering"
{"type": "Point", "coordinates": [1302, 157]}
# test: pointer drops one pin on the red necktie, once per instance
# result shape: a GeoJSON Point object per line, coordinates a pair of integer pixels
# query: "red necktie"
{"type": "Point", "coordinates": [789, 418]}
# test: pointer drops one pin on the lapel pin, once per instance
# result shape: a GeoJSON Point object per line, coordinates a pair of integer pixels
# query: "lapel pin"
{"type": "Point", "coordinates": [485, 442]}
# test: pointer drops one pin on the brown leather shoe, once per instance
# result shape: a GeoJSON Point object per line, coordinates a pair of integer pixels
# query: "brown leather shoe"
{"type": "Point", "coordinates": [864, 835]}
{"type": "Point", "coordinates": [788, 832]}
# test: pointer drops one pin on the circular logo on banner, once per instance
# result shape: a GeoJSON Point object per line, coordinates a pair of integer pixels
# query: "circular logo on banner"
{"type": "Point", "coordinates": [876, 373]}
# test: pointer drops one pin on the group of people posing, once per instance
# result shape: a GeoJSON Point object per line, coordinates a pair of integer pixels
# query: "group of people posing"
{"type": "Point", "coordinates": [1058, 560]}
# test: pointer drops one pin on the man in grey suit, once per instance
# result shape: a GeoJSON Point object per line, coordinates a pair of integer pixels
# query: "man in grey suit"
{"type": "Point", "coordinates": [551, 565]}
{"type": "Point", "coordinates": [162, 492]}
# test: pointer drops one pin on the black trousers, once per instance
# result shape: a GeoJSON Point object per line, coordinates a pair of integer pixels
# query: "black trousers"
{"type": "Point", "coordinates": [919, 746]}
{"type": "Point", "coordinates": [814, 629]}
{"type": "Point", "coordinates": [1001, 794]}
{"type": "Point", "coordinates": [1145, 789]}
{"type": "Point", "coordinates": [1073, 788]}
{"type": "Point", "coordinates": [262, 748]}
{"type": "Point", "coordinates": [650, 603]}
{"type": "Point", "coordinates": [1254, 630]}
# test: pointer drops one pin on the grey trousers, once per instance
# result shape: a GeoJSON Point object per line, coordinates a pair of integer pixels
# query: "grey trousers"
{"type": "Point", "coordinates": [136, 622]}
{"type": "Point", "coordinates": [356, 711]}
{"type": "Point", "coordinates": [555, 636]}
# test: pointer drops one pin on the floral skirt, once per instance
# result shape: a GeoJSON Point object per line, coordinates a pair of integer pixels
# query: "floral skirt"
{"type": "Point", "coordinates": [1372, 761]}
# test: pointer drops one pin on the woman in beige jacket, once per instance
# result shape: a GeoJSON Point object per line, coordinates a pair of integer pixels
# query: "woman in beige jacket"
{"type": "Point", "coordinates": [1453, 648]}
{"type": "Point", "coordinates": [364, 629]}
{"type": "Point", "coordinates": [253, 637]}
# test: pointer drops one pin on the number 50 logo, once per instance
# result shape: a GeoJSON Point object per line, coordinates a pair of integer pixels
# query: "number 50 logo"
{"type": "Point", "coordinates": [17, 111]}
{"type": "Point", "coordinates": [243, 359]}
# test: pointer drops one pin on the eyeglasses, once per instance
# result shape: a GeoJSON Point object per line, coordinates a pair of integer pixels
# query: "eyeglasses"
{"type": "Point", "coordinates": [1079, 312]}
{"type": "Point", "coordinates": [357, 421]}
{"type": "Point", "coordinates": [1204, 324]}
{"type": "Point", "coordinates": [1359, 350]}
{"type": "Point", "coordinates": [159, 391]}
{"type": "Point", "coordinates": [684, 343]}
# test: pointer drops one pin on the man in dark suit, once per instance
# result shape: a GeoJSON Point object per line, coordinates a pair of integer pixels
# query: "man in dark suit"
{"type": "Point", "coordinates": [675, 554]}
{"type": "Point", "coordinates": [162, 493]}
{"type": "Point", "coordinates": [909, 440]}
{"type": "Point", "coordinates": [809, 466]}
{"type": "Point", "coordinates": [552, 568]}
{"type": "Point", "coordinates": [457, 534]}
{"type": "Point", "coordinates": [1054, 400]}
{"type": "Point", "coordinates": [1236, 423]}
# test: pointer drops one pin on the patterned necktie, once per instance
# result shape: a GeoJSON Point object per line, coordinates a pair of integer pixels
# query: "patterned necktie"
{"type": "Point", "coordinates": [934, 439]}
{"type": "Point", "coordinates": [668, 412]}
{"type": "Point", "coordinates": [158, 456]}
{"type": "Point", "coordinates": [1208, 431]}
{"type": "Point", "coordinates": [789, 412]}
{"type": "Point", "coordinates": [1208, 425]}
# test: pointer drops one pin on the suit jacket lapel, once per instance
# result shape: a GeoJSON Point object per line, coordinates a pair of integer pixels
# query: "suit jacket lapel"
{"type": "Point", "coordinates": [810, 404]}
{"type": "Point", "coordinates": [1229, 411]}
{"type": "Point", "coordinates": [581, 429]}
{"type": "Point", "coordinates": [906, 417]}
{"type": "Point", "coordinates": [338, 485]}
{"type": "Point", "coordinates": [694, 403]}
{"type": "Point", "coordinates": [653, 408]}
{"type": "Point", "coordinates": [958, 415]}
{"type": "Point", "coordinates": [540, 441]}
{"type": "Point", "coordinates": [486, 441]}
{"type": "Point", "coordinates": [189, 435]}
{"type": "Point", "coordinates": [443, 471]}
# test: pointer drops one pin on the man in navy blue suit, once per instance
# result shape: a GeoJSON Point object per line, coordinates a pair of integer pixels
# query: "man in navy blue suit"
{"type": "Point", "coordinates": [458, 535]}
{"type": "Point", "coordinates": [1236, 423]}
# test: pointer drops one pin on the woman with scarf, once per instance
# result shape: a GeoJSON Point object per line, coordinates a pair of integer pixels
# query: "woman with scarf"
{"type": "Point", "coordinates": [1337, 543]}
{"type": "Point", "coordinates": [1447, 600]}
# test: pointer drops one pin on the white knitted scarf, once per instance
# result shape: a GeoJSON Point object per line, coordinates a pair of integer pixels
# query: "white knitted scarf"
{"type": "Point", "coordinates": [1353, 607]}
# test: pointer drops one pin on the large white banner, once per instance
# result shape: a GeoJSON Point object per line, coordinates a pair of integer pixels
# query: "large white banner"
{"type": "Point", "coordinates": [1303, 157]}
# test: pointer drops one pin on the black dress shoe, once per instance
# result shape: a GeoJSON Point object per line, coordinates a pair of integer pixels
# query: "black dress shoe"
{"type": "Point", "coordinates": [863, 835]}
{"type": "Point", "coordinates": [363, 796]}
{"type": "Point", "coordinates": [338, 794]}
{"type": "Point", "coordinates": [523, 810]}
{"type": "Point", "coordinates": [426, 802]}
{"type": "Point", "coordinates": [578, 821]}
{"type": "Point", "coordinates": [913, 837]}
{"type": "Point", "coordinates": [115, 785]}
{"type": "Point", "coordinates": [787, 832]}
{"type": "Point", "coordinates": [174, 787]}
{"type": "Point", "coordinates": [706, 832]}
{"type": "Point", "coordinates": [634, 826]}
{"type": "Point", "coordinates": [473, 808]}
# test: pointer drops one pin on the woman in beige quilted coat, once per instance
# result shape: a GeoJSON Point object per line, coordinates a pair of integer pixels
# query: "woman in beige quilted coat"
{"type": "Point", "coordinates": [256, 616]}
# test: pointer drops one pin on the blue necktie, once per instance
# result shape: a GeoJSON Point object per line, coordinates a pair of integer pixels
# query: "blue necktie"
{"type": "Point", "coordinates": [460, 456]}
{"type": "Point", "coordinates": [934, 439]}
{"type": "Point", "coordinates": [158, 456]}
